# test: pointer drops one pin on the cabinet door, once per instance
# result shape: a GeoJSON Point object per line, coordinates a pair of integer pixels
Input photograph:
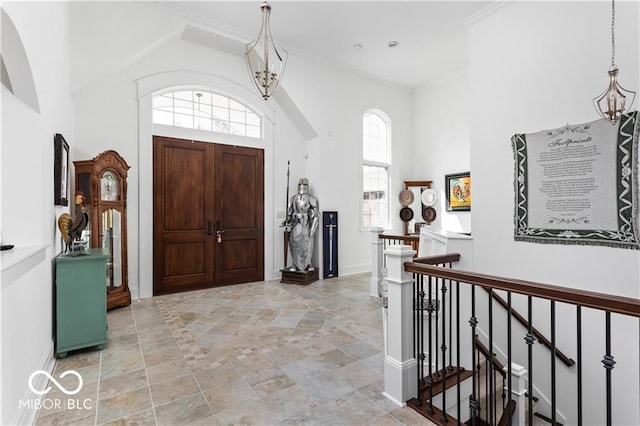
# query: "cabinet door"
{"type": "Point", "coordinates": [81, 311]}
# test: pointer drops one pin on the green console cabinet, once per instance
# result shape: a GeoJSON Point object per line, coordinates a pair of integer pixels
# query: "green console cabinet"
{"type": "Point", "coordinates": [81, 301]}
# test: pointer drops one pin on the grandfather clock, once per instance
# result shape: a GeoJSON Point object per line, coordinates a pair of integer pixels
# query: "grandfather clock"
{"type": "Point", "coordinates": [103, 180]}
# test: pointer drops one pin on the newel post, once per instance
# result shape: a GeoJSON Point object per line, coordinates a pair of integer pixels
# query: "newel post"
{"type": "Point", "coordinates": [518, 392]}
{"type": "Point", "coordinates": [377, 246]}
{"type": "Point", "coordinates": [400, 367]}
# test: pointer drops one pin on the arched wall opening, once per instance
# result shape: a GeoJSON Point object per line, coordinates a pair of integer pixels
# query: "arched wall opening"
{"type": "Point", "coordinates": [154, 84]}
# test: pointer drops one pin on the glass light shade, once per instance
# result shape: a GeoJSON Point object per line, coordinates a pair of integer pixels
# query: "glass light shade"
{"type": "Point", "coordinates": [611, 104]}
{"type": "Point", "coordinates": [266, 61]}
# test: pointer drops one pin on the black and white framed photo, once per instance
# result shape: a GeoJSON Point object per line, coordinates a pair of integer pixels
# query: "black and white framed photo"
{"type": "Point", "coordinates": [60, 171]}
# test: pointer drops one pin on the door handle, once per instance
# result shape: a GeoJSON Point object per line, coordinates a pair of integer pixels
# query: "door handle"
{"type": "Point", "coordinates": [219, 232]}
{"type": "Point", "coordinates": [208, 231]}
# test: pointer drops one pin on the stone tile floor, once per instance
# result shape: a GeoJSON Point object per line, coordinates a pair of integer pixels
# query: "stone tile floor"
{"type": "Point", "coordinates": [260, 353]}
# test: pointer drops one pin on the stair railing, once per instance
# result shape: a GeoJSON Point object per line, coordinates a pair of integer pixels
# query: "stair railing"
{"type": "Point", "coordinates": [436, 389]}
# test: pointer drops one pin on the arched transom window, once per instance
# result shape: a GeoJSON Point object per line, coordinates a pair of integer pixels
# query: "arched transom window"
{"type": "Point", "coordinates": [206, 110]}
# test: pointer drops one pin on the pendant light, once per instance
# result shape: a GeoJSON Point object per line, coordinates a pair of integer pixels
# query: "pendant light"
{"type": "Point", "coordinates": [266, 61]}
{"type": "Point", "coordinates": [611, 104]}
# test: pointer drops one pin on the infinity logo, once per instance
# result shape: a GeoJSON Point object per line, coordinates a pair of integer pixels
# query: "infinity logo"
{"type": "Point", "coordinates": [50, 377]}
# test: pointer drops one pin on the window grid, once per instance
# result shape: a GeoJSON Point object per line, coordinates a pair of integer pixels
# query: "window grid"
{"type": "Point", "coordinates": [375, 170]}
{"type": "Point", "coordinates": [206, 110]}
{"type": "Point", "coordinates": [375, 143]}
{"type": "Point", "coordinates": [375, 201]}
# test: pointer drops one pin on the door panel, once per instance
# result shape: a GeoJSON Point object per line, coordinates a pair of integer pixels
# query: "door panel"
{"type": "Point", "coordinates": [200, 188]}
{"type": "Point", "coordinates": [184, 259]}
{"type": "Point", "coordinates": [183, 251]}
{"type": "Point", "coordinates": [239, 206]}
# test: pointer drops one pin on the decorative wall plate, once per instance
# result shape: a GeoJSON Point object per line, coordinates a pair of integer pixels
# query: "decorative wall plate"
{"type": "Point", "coordinates": [406, 214]}
{"type": "Point", "coordinates": [429, 214]}
{"type": "Point", "coordinates": [429, 197]}
{"type": "Point", "coordinates": [406, 197]}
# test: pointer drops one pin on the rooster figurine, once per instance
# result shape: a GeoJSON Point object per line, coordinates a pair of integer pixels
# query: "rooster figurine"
{"type": "Point", "coordinates": [71, 228]}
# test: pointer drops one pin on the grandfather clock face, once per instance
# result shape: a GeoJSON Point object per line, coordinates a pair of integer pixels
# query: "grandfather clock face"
{"type": "Point", "coordinates": [109, 186]}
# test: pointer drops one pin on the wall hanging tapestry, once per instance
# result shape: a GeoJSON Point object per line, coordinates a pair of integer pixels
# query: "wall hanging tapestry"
{"type": "Point", "coordinates": [578, 184]}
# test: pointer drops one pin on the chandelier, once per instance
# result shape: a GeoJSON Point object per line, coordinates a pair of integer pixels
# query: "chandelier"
{"type": "Point", "coordinates": [266, 61]}
{"type": "Point", "coordinates": [611, 104]}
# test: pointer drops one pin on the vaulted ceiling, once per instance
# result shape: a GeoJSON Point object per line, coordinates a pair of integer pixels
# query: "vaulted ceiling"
{"type": "Point", "coordinates": [431, 36]}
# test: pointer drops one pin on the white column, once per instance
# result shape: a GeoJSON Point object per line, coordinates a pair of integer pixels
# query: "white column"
{"type": "Point", "coordinates": [377, 246]}
{"type": "Point", "coordinates": [518, 392]}
{"type": "Point", "coordinates": [399, 364]}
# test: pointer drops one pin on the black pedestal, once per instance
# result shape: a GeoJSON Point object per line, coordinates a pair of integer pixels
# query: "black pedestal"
{"type": "Point", "coordinates": [299, 277]}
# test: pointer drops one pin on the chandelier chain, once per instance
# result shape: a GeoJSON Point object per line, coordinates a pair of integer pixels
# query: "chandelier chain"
{"type": "Point", "coordinates": [613, 33]}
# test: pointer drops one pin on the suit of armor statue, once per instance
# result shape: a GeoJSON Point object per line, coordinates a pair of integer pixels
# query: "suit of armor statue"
{"type": "Point", "coordinates": [303, 211]}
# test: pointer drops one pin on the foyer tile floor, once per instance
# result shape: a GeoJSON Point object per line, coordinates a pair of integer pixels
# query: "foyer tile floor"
{"type": "Point", "coordinates": [251, 354]}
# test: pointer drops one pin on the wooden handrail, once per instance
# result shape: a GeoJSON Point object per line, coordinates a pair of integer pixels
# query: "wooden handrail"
{"type": "Point", "coordinates": [455, 257]}
{"type": "Point", "coordinates": [507, 413]}
{"type": "Point", "coordinates": [590, 299]}
{"type": "Point", "coordinates": [545, 342]}
{"type": "Point", "coordinates": [409, 240]}
{"type": "Point", "coordinates": [438, 259]}
{"type": "Point", "coordinates": [399, 237]}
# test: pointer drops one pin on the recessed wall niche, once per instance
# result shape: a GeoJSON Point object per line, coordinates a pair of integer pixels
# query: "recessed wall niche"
{"type": "Point", "coordinates": [16, 72]}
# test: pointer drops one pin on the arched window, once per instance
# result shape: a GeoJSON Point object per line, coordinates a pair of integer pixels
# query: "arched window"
{"type": "Point", "coordinates": [376, 160]}
{"type": "Point", "coordinates": [206, 110]}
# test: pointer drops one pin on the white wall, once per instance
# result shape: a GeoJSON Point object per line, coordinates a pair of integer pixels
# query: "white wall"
{"type": "Point", "coordinates": [334, 103]}
{"type": "Point", "coordinates": [28, 213]}
{"type": "Point", "coordinates": [106, 114]}
{"type": "Point", "coordinates": [442, 142]}
{"type": "Point", "coordinates": [534, 66]}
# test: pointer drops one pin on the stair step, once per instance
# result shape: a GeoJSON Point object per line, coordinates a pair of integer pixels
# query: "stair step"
{"type": "Point", "coordinates": [450, 379]}
{"type": "Point", "coordinates": [435, 417]}
{"type": "Point", "coordinates": [479, 422]}
{"type": "Point", "coordinates": [544, 418]}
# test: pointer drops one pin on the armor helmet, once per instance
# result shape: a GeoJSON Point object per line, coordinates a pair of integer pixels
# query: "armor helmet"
{"type": "Point", "coordinates": [303, 186]}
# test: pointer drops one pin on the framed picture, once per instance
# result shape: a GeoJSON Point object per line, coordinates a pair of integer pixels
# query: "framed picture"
{"type": "Point", "coordinates": [458, 189]}
{"type": "Point", "coordinates": [60, 171]}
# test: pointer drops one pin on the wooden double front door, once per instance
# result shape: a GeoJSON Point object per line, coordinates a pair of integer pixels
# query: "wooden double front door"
{"type": "Point", "coordinates": [208, 215]}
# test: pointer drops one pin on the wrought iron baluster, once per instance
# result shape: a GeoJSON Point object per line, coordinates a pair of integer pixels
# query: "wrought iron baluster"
{"type": "Point", "coordinates": [509, 313]}
{"type": "Point", "coordinates": [458, 349]}
{"type": "Point", "coordinates": [553, 362]}
{"type": "Point", "coordinates": [530, 340]}
{"type": "Point", "coordinates": [443, 417]}
{"type": "Point", "coordinates": [416, 277]}
{"type": "Point", "coordinates": [492, 384]}
{"type": "Point", "coordinates": [487, 401]}
{"type": "Point", "coordinates": [450, 367]}
{"type": "Point", "coordinates": [579, 356]}
{"type": "Point", "coordinates": [501, 396]}
{"type": "Point", "coordinates": [608, 362]}
{"type": "Point", "coordinates": [419, 332]}
{"type": "Point", "coordinates": [473, 321]}
{"type": "Point", "coordinates": [493, 389]}
{"type": "Point", "coordinates": [421, 337]}
{"type": "Point", "coordinates": [436, 308]}
{"type": "Point", "coordinates": [430, 409]}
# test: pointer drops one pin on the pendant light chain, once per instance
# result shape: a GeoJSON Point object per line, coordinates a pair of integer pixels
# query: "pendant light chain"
{"type": "Point", "coordinates": [613, 33]}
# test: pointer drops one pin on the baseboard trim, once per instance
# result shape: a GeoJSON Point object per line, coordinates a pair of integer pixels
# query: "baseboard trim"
{"type": "Point", "coordinates": [395, 401]}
